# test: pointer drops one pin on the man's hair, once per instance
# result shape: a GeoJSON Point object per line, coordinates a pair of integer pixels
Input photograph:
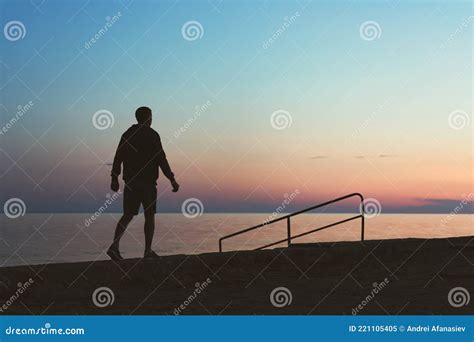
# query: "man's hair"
{"type": "Point", "coordinates": [143, 114]}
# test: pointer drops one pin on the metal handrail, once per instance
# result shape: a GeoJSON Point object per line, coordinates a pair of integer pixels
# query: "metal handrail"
{"type": "Point", "coordinates": [288, 225]}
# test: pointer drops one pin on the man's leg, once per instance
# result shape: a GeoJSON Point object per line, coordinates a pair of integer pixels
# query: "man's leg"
{"type": "Point", "coordinates": [149, 231]}
{"type": "Point", "coordinates": [120, 230]}
{"type": "Point", "coordinates": [149, 206]}
{"type": "Point", "coordinates": [131, 204]}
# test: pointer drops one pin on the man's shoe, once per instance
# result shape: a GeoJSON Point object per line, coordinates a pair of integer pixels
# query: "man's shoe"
{"type": "Point", "coordinates": [114, 255]}
{"type": "Point", "coordinates": [150, 255]}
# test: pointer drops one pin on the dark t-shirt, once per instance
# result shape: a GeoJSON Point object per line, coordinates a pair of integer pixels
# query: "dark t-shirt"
{"type": "Point", "coordinates": [142, 155]}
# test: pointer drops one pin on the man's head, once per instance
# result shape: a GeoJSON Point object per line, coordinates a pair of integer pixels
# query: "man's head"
{"type": "Point", "coordinates": [143, 115]}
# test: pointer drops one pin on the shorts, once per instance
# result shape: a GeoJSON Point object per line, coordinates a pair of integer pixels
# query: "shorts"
{"type": "Point", "coordinates": [137, 194]}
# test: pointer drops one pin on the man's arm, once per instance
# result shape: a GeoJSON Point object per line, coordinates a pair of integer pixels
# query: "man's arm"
{"type": "Point", "coordinates": [117, 165]}
{"type": "Point", "coordinates": [165, 166]}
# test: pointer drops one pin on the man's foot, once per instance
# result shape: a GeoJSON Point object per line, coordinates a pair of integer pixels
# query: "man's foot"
{"type": "Point", "coordinates": [114, 254]}
{"type": "Point", "coordinates": [150, 255]}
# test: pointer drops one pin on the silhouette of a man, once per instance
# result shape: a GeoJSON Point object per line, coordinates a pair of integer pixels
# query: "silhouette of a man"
{"type": "Point", "coordinates": [141, 153]}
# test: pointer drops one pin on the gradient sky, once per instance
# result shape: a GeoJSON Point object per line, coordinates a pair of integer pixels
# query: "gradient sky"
{"type": "Point", "coordinates": [368, 116]}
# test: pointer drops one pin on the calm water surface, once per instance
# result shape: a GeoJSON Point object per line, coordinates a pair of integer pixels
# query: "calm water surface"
{"type": "Point", "coordinates": [56, 238]}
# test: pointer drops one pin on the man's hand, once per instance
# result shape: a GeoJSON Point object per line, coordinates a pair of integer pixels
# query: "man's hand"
{"type": "Point", "coordinates": [114, 186]}
{"type": "Point", "coordinates": [175, 185]}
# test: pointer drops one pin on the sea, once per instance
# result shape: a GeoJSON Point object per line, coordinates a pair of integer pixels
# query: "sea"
{"type": "Point", "coordinates": [66, 238]}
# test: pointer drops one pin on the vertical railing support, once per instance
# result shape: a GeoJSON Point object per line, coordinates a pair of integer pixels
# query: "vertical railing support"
{"type": "Point", "coordinates": [362, 227]}
{"type": "Point", "coordinates": [288, 231]}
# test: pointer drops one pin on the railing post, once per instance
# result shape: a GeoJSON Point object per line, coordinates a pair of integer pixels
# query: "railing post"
{"type": "Point", "coordinates": [288, 231]}
{"type": "Point", "coordinates": [362, 207]}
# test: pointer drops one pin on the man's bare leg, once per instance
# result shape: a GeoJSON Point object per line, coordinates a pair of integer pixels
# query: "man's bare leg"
{"type": "Point", "coordinates": [149, 232]}
{"type": "Point", "coordinates": [122, 225]}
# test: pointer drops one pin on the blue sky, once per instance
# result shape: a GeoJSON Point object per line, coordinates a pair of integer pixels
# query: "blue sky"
{"type": "Point", "coordinates": [319, 69]}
